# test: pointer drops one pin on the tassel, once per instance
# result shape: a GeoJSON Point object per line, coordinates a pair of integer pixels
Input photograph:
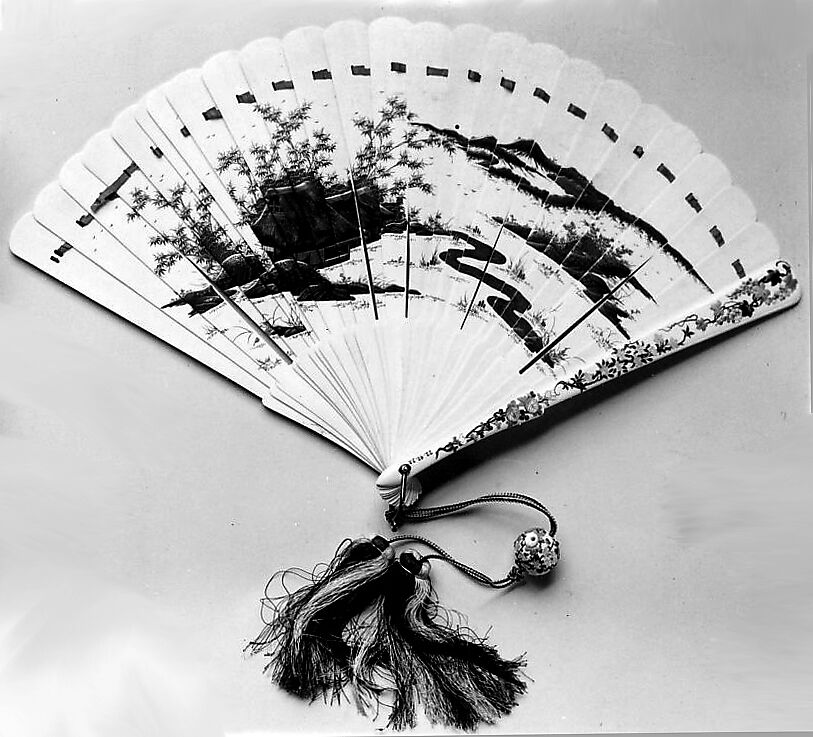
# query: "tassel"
{"type": "Point", "coordinates": [460, 680]}
{"type": "Point", "coordinates": [304, 639]}
{"type": "Point", "coordinates": [369, 623]}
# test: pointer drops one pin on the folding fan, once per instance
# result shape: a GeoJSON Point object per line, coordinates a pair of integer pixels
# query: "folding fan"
{"type": "Point", "coordinates": [407, 237]}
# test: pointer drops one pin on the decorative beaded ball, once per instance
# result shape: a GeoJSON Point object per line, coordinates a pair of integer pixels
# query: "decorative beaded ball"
{"type": "Point", "coordinates": [536, 552]}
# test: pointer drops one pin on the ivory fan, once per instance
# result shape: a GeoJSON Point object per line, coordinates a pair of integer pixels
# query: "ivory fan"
{"type": "Point", "coordinates": [407, 237]}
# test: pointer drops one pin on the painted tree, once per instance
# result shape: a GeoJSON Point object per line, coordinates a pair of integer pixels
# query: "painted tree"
{"type": "Point", "coordinates": [390, 161]}
{"type": "Point", "coordinates": [392, 152]}
{"type": "Point", "coordinates": [197, 236]}
{"type": "Point", "coordinates": [291, 156]}
{"type": "Point", "coordinates": [391, 157]}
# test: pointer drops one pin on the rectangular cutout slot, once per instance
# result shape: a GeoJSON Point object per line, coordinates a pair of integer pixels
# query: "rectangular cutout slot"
{"type": "Point", "coordinates": [609, 132]}
{"type": "Point", "coordinates": [666, 173]}
{"type": "Point", "coordinates": [738, 270]}
{"type": "Point", "coordinates": [61, 251]}
{"type": "Point", "coordinates": [693, 202]}
{"type": "Point", "coordinates": [577, 111]}
{"type": "Point", "coordinates": [109, 193]}
{"type": "Point", "coordinates": [541, 94]}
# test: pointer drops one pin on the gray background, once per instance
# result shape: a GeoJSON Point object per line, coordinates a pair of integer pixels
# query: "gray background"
{"type": "Point", "coordinates": [144, 500]}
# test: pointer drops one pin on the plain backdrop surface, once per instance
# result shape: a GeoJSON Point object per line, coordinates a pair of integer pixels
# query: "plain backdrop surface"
{"type": "Point", "coordinates": [144, 501]}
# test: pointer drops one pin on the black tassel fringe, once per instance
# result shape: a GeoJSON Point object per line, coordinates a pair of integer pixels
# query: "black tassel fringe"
{"type": "Point", "coordinates": [369, 623]}
{"type": "Point", "coordinates": [309, 656]}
